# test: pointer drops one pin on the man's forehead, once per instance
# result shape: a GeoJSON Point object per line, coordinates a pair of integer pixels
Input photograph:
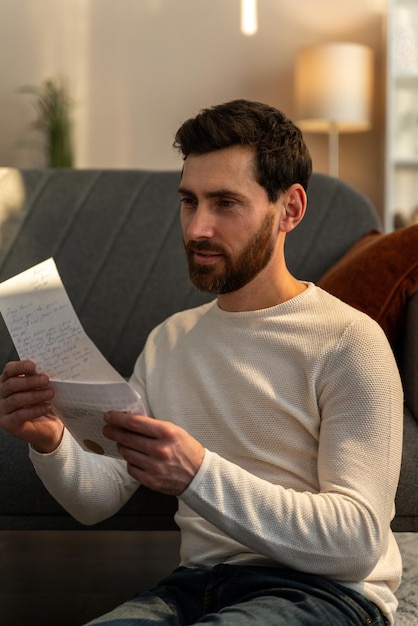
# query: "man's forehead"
{"type": "Point", "coordinates": [223, 165]}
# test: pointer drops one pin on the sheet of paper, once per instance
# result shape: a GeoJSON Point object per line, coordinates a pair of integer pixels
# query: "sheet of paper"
{"type": "Point", "coordinates": [45, 328]}
{"type": "Point", "coordinates": [80, 406]}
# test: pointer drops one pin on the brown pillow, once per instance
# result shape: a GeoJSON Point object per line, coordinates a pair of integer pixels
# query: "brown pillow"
{"type": "Point", "coordinates": [378, 275]}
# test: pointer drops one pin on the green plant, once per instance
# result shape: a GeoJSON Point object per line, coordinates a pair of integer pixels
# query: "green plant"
{"type": "Point", "coordinates": [53, 107]}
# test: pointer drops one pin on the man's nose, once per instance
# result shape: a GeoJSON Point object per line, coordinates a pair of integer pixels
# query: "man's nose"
{"type": "Point", "coordinates": [199, 224]}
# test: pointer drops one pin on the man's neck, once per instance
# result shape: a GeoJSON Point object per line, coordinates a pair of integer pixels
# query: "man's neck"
{"type": "Point", "coordinates": [262, 294]}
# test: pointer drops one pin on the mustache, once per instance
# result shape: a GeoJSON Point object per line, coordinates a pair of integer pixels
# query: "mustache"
{"type": "Point", "coordinates": [203, 246]}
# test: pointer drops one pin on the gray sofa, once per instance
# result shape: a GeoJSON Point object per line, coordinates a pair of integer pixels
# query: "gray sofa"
{"type": "Point", "coordinates": [116, 240]}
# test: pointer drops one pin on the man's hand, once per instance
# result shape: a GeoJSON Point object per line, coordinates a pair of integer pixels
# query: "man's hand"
{"type": "Point", "coordinates": [25, 409]}
{"type": "Point", "coordinates": [160, 455]}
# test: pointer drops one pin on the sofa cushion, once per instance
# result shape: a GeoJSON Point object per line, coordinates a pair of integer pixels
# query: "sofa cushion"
{"type": "Point", "coordinates": [377, 276]}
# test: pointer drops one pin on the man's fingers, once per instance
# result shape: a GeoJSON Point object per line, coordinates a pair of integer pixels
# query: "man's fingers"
{"type": "Point", "coordinates": [140, 424]}
{"type": "Point", "coordinates": [18, 368]}
{"type": "Point", "coordinates": [30, 385]}
{"type": "Point", "coordinates": [27, 398]}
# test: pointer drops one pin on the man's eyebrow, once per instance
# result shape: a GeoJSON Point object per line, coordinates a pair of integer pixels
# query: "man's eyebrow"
{"type": "Point", "coordinates": [186, 192]}
{"type": "Point", "coordinates": [216, 193]}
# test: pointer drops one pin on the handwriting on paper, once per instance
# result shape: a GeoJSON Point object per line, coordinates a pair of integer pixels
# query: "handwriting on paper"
{"type": "Point", "coordinates": [45, 328]}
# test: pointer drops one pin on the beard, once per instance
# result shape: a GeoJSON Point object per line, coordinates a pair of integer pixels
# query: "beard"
{"type": "Point", "coordinates": [237, 271]}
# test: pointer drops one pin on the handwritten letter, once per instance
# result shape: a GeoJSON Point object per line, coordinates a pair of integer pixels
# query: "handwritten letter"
{"type": "Point", "coordinates": [45, 329]}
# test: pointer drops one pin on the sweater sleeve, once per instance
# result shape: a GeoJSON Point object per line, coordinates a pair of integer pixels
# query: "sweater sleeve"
{"type": "Point", "coordinates": [90, 487]}
{"type": "Point", "coordinates": [342, 530]}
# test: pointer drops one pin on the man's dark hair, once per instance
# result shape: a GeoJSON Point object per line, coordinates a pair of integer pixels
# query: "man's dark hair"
{"type": "Point", "coordinates": [282, 157]}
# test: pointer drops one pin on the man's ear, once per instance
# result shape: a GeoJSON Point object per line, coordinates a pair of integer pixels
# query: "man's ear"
{"type": "Point", "coordinates": [293, 207]}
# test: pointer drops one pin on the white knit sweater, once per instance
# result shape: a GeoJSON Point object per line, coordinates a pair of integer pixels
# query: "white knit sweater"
{"type": "Point", "coordinates": [300, 410]}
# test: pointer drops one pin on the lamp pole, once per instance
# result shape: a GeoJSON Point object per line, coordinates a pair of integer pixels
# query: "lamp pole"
{"type": "Point", "coordinates": [333, 150]}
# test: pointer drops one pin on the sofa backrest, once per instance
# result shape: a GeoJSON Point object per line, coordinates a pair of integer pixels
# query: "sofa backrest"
{"type": "Point", "coordinates": [116, 239]}
{"type": "Point", "coordinates": [337, 216]}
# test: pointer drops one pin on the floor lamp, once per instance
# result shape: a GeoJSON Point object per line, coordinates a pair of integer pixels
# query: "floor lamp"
{"type": "Point", "coordinates": [333, 90]}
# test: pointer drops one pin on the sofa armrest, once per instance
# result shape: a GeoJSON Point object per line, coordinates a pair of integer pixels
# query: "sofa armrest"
{"type": "Point", "coordinates": [408, 358]}
{"type": "Point", "coordinates": [406, 499]}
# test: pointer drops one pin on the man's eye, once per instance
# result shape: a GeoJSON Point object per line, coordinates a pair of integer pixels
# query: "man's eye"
{"type": "Point", "coordinates": [187, 201]}
{"type": "Point", "coordinates": [226, 204]}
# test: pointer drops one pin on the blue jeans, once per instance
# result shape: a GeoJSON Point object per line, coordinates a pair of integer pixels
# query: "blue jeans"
{"type": "Point", "coordinates": [237, 595]}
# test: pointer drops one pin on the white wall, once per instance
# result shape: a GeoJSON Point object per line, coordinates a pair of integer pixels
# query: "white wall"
{"type": "Point", "coordinates": [138, 68]}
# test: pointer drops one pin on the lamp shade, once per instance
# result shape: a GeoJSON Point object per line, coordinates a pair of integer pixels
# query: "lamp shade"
{"type": "Point", "coordinates": [333, 87]}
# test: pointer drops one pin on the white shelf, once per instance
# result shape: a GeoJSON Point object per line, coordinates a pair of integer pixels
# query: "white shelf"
{"type": "Point", "coordinates": [407, 80]}
{"type": "Point", "coordinates": [402, 111]}
{"type": "Point", "coordinates": [406, 162]}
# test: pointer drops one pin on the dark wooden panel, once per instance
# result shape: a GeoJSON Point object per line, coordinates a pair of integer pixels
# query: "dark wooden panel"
{"type": "Point", "coordinates": [69, 577]}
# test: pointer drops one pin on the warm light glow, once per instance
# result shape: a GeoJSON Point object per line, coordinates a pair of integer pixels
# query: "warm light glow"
{"type": "Point", "coordinates": [249, 24]}
{"type": "Point", "coordinates": [334, 87]}
{"type": "Point", "coordinates": [12, 201]}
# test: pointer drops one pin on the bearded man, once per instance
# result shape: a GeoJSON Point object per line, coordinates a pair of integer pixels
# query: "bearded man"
{"type": "Point", "coordinates": [274, 413]}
